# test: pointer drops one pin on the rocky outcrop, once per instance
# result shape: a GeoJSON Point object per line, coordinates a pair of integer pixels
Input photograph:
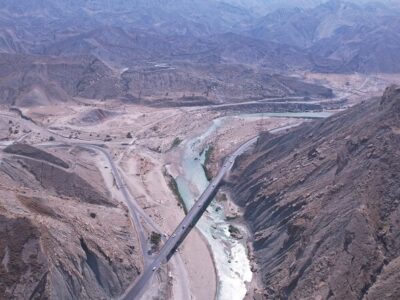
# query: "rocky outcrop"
{"type": "Point", "coordinates": [323, 204]}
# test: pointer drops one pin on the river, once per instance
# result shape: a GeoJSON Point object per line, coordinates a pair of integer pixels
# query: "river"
{"type": "Point", "coordinates": [230, 255]}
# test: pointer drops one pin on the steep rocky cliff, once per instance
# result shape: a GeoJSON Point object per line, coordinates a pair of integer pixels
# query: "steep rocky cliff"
{"type": "Point", "coordinates": [323, 203]}
{"type": "Point", "coordinates": [56, 228]}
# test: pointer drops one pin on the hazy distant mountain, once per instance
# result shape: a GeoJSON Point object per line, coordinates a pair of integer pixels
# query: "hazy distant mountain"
{"type": "Point", "coordinates": [339, 36]}
{"type": "Point", "coordinates": [263, 7]}
{"type": "Point", "coordinates": [210, 16]}
{"type": "Point", "coordinates": [197, 39]}
{"type": "Point", "coordinates": [335, 36]}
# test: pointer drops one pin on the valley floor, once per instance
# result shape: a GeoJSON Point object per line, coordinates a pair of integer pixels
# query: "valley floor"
{"type": "Point", "coordinates": [147, 146]}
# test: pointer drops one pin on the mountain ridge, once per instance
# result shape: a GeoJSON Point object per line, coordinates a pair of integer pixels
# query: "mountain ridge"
{"type": "Point", "coordinates": [310, 199]}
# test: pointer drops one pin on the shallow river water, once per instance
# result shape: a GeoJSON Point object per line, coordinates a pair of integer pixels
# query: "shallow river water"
{"type": "Point", "coordinates": [230, 256]}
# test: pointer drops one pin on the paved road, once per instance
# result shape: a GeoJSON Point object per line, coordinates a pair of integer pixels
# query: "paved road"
{"type": "Point", "coordinates": [134, 209]}
{"type": "Point", "coordinates": [262, 101]}
{"type": "Point", "coordinates": [184, 228]}
{"type": "Point", "coordinates": [186, 225]}
{"type": "Point", "coordinates": [137, 213]}
{"type": "Point", "coordinates": [130, 202]}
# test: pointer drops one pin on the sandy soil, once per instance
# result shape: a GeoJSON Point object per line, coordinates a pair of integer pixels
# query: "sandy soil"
{"type": "Point", "coordinates": [143, 158]}
{"type": "Point", "coordinates": [144, 172]}
{"type": "Point", "coordinates": [144, 141]}
{"type": "Point", "coordinates": [200, 266]}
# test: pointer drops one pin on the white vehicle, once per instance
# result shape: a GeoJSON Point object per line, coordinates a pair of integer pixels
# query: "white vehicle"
{"type": "Point", "coordinates": [154, 268]}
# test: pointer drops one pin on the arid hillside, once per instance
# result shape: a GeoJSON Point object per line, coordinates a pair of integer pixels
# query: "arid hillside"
{"type": "Point", "coordinates": [339, 36]}
{"type": "Point", "coordinates": [27, 80]}
{"type": "Point", "coordinates": [173, 53]}
{"type": "Point", "coordinates": [30, 80]}
{"type": "Point", "coordinates": [56, 221]}
{"type": "Point", "coordinates": [323, 203]}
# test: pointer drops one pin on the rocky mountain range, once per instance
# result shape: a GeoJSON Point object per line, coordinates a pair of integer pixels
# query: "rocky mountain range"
{"type": "Point", "coordinates": [321, 200]}
{"type": "Point", "coordinates": [30, 80]}
{"type": "Point", "coordinates": [199, 40]}
{"type": "Point", "coordinates": [339, 36]}
{"type": "Point", "coordinates": [36, 80]}
{"type": "Point", "coordinates": [349, 26]}
{"type": "Point", "coordinates": [323, 204]}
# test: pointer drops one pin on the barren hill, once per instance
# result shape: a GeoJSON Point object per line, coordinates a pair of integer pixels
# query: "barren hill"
{"type": "Point", "coordinates": [53, 240]}
{"type": "Point", "coordinates": [339, 36]}
{"type": "Point", "coordinates": [323, 204]}
{"type": "Point", "coordinates": [27, 80]}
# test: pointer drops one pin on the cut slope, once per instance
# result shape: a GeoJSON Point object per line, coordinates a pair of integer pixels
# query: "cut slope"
{"type": "Point", "coordinates": [36, 153]}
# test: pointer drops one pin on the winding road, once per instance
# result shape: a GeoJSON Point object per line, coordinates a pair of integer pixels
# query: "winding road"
{"type": "Point", "coordinates": [136, 213]}
{"type": "Point", "coordinates": [129, 201]}
{"type": "Point", "coordinates": [171, 245]}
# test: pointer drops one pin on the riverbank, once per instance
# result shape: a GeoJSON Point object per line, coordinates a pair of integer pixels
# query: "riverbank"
{"type": "Point", "coordinates": [159, 202]}
{"type": "Point", "coordinates": [231, 258]}
{"type": "Point", "coordinates": [200, 263]}
{"type": "Point", "coordinates": [143, 160]}
{"type": "Point", "coordinates": [220, 136]}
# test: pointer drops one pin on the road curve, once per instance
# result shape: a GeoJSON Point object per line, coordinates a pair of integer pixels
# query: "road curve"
{"type": "Point", "coordinates": [136, 213]}
{"type": "Point", "coordinates": [134, 292]}
{"type": "Point", "coordinates": [128, 200]}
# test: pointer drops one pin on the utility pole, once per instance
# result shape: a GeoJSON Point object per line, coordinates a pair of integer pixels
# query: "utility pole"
{"type": "Point", "coordinates": [260, 123]}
